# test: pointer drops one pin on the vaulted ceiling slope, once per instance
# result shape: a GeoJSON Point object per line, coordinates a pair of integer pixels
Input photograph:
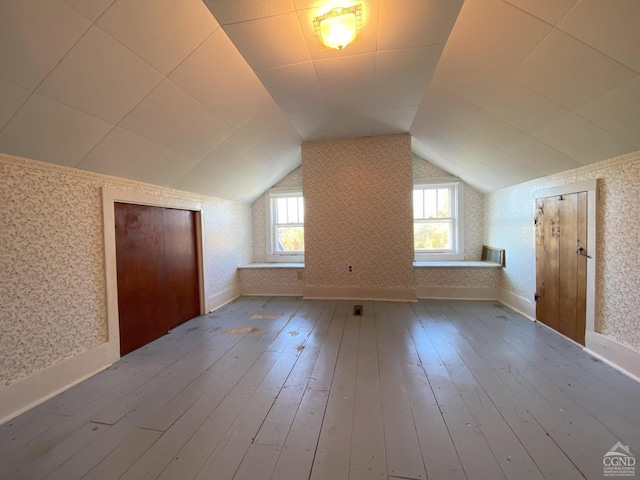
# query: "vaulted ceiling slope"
{"type": "Point", "coordinates": [147, 90]}
{"type": "Point", "coordinates": [527, 88]}
{"type": "Point", "coordinates": [494, 91]}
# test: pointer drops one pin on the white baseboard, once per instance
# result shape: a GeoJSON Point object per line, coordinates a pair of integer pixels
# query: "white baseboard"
{"type": "Point", "coordinates": [275, 290]}
{"type": "Point", "coordinates": [216, 301]}
{"type": "Point", "coordinates": [519, 304]}
{"type": "Point", "coordinates": [458, 293]}
{"type": "Point", "coordinates": [613, 353]}
{"type": "Point", "coordinates": [361, 293]}
{"type": "Point", "coordinates": [28, 392]}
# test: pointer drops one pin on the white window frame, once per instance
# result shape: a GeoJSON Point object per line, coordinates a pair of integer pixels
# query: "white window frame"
{"type": "Point", "coordinates": [456, 253]}
{"type": "Point", "coordinates": [272, 254]}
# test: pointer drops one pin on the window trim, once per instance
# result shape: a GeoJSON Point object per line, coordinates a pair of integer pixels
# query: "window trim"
{"type": "Point", "coordinates": [272, 255]}
{"type": "Point", "coordinates": [457, 252]}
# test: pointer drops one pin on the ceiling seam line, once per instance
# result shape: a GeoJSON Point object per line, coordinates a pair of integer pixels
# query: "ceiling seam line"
{"type": "Point", "coordinates": [34, 90]}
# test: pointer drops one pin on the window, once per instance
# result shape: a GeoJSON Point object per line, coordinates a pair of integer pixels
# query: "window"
{"type": "Point", "coordinates": [285, 235]}
{"type": "Point", "coordinates": [437, 221]}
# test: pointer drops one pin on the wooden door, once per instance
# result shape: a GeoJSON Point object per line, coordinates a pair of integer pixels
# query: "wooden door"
{"type": "Point", "coordinates": [157, 269]}
{"type": "Point", "coordinates": [561, 263]}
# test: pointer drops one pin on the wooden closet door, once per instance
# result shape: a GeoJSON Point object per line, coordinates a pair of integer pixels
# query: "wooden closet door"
{"type": "Point", "coordinates": [561, 268]}
{"type": "Point", "coordinates": [157, 269]}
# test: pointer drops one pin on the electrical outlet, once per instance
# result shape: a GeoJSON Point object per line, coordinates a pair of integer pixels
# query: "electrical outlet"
{"type": "Point", "coordinates": [350, 268]}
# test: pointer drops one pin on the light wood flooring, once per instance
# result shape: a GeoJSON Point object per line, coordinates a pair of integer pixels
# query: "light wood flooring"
{"type": "Point", "coordinates": [284, 388]}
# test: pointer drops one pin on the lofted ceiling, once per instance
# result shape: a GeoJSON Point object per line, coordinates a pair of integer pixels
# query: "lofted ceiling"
{"type": "Point", "coordinates": [216, 97]}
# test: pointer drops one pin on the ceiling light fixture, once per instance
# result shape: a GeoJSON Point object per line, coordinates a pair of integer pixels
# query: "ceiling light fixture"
{"type": "Point", "coordinates": [338, 27]}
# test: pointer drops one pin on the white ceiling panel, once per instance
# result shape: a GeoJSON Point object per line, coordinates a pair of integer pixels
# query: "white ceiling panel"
{"type": "Point", "coordinates": [393, 120]}
{"type": "Point", "coordinates": [346, 73]}
{"type": "Point", "coordinates": [346, 101]}
{"type": "Point", "coordinates": [416, 23]}
{"type": "Point", "coordinates": [244, 99]}
{"type": "Point", "coordinates": [100, 77]}
{"type": "Point", "coordinates": [517, 143]}
{"type": "Point", "coordinates": [582, 140]}
{"type": "Point", "coordinates": [242, 10]}
{"type": "Point", "coordinates": [122, 154]}
{"type": "Point", "coordinates": [441, 112]}
{"type": "Point", "coordinates": [303, 106]}
{"type": "Point", "coordinates": [165, 114]}
{"type": "Point", "coordinates": [212, 70]}
{"type": "Point", "coordinates": [242, 175]}
{"type": "Point", "coordinates": [290, 80]}
{"type": "Point", "coordinates": [618, 112]}
{"type": "Point", "coordinates": [495, 91]}
{"type": "Point", "coordinates": [511, 99]}
{"type": "Point", "coordinates": [569, 72]}
{"type": "Point", "coordinates": [166, 167]}
{"type": "Point", "coordinates": [259, 166]}
{"type": "Point", "coordinates": [452, 159]}
{"type": "Point", "coordinates": [200, 178]}
{"type": "Point", "coordinates": [92, 9]}
{"type": "Point", "coordinates": [34, 36]}
{"type": "Point", "coordinates": [510, 167]}
{"type": "Point", "coordinates": [400, 66]}
{"type": "Point", "coordinates": [269, 125]}
{"type": "Point", "coordinates": [492, 35]}
{"type": "Point", "coordinates": [399, 95]}
{"type": "Point", "coordinates": [611, 27]}
{"type": "Point", "coordinates": [281, 41]}
{"type": "Point", "coordinates": [354, 124]}
{"type": "Point", "coordinates": [11, 99]}
{"type": "Point", "coordinates": [46, 130]}
{"type": "Point", "coordinates": [475, 84]}
{"type": "Point", "coordinates": [551, 11]}
{"type": "Point", "coordinates": [313, 126]}
{"type": "Point", "coordinates": [163, 33]}
{"type": "Point", "coordinates": [203, 137]}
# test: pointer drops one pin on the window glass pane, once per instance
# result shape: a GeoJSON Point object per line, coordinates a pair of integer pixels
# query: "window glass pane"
{"type": "Point", "coordinates": [281, 210]}
{"type": "Point", "coordinates": [430, 203]}
{"type": "Point", "coordinates": [300, 210]}
{"type": "Point", "coordinates": [432, 235]}
{"type": "Point", "coordinates": [418, 204]}
{"type": "Point", "coordinates": [289, 239]}
{"type": "Point", "coordinates": [444, 203]}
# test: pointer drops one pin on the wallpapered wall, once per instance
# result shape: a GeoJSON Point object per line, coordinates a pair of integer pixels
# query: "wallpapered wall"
{"type": "Point", "coordinates": [422, 277]}
{"type": "Point", "coordinates": [358, 212]}
{"type": "Point", "coordinates": [52, 280]}
{"type": "Point", "coordinates": [259, 215]}
{"type": "Point", "coordinates": [509, 225]}
{"type": "Point", "coordinates": [473, 202]}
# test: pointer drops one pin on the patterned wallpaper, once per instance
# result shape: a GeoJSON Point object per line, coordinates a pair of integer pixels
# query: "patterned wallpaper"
{"type": "Point", "coordinates": [270, 276]}
{"type": "Point", "coordinates": [422, 170]}
{"type": "Point", "coordinates": [469, 277]}
{"type": "Point", "coordinates": [358, 212]}
{"type": "Point", "coordinates": [52, 281]}
{"type": "Point", "coordinates": [473, 207]}
{"type": "Point", "coordinates": [259, 216]}
{"type": "Point", "coordinates": [509, 225]}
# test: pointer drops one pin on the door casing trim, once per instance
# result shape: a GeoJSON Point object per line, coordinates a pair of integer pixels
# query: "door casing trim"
{"type": "Point", "coordinates": [111, 196]}
{"type": "Point", "coordinates": [591, 187]}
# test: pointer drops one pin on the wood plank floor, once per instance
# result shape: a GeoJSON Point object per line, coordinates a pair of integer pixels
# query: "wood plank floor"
{"type": "Point", "coordinates": [284, 388]}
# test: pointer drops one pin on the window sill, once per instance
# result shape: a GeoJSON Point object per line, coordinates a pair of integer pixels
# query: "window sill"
{"type": "Point", "coordinates": [271, 265]}
{"type": "Point", "coordinates": [465, 264]}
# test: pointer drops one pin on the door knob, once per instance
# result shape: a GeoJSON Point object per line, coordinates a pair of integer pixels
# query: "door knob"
{"type": "Point", "coordinates": [581, 251]}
